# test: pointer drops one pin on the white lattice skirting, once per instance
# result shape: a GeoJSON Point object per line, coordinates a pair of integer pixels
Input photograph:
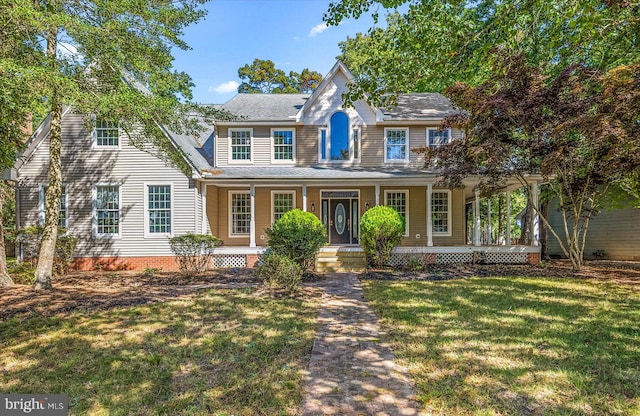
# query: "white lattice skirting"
{"type": "Point", "coordinates": [403, 257]}
{"type": "Point", "coordinates": [227, 261]}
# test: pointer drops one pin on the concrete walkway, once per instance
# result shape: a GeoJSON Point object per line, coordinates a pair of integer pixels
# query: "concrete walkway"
{"type": "Point", "coordinates": [351, 372]}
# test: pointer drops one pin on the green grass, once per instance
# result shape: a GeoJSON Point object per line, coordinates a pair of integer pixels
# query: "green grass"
{"type": "Point", "coordinates": [220, 352]}
{"type": "Point", "coordinates": [516, 346]}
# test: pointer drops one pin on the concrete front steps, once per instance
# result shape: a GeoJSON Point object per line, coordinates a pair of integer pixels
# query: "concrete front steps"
{"type": "Point", "coordinates": [340, 260]}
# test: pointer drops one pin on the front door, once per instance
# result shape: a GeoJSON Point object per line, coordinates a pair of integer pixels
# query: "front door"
{"type": "Point", "coordinates": [340, 221]}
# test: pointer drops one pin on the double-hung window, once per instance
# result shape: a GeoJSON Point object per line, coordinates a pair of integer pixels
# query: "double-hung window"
{"type": "Point", "coordinates": [158, 210]}
{"type": "Point", "coordinates": [281, 203]}
{"type": "Point", "coordinates": [107, 210]}
{"type": "Point", "coordinates": [441, 212]}
{"type": "Point", "coordinates": [396, 145]}
{"type": "Point", "coordinates": [239, 213]}
{"type": "Point", "coordinates": [240, 145]}
{"type": "Point", "coordinates": [399, 200]}
{"type": "Point", "coordinates": [62, 213]}
{"type": "Point", "coordinates": [283, 145]}
{"type": "Point", "coordinates": [437, 137]}
{"type": "Point", "coordinates": [106, 134]}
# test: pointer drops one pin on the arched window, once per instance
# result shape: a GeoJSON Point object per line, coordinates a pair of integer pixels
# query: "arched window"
{"type": "Point", "coordinates": [339, 140]}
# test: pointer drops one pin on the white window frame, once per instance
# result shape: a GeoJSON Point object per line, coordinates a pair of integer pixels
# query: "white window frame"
{"type": "Point", "coordinates": [406, 145]}
{"type": "Point", "coordinates": [326, 144]}
{"type": "Point", "coordinates": [230, 144]}
{"type": "Point", "coordinates": [448, 232]}
{"type": "Point", "coordinates": [273, 207]}
{"type": "Point", "coordinates": [230, 203]}
{"type": "Point", "coordinates": [42, 209]}
{"type": "Point", "coordinates": [406, 217]}
{"type": "Point", "coordinates": [94, 209]}
{"type": "Point", "coordinates": [273, 147]}
{"type": "Point", "coordinates": [147, 232]}
{"type": "Point", "coordinates": [437, 131]}
{"type": "Point", "coordinates": [94, 136]}
{"type": "Point", "coordinates": [356, 147]}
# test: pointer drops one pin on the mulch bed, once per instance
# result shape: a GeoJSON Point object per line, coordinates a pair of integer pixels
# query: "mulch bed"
{"type": "Point", "coordinates": [94, 291]}
{"type": "Point", "coordinates": [619, 271]}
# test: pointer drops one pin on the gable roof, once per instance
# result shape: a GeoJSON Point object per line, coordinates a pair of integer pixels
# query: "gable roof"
{"type": "Point", "coordinates": [266, 107]}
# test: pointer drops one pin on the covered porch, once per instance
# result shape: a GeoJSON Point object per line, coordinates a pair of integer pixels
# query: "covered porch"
{"type": "Point", "coordinates": [443, 226]}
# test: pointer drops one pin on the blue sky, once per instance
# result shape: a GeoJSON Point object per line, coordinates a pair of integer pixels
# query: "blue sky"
{"type": "Point", "coordinates": [235, 32]}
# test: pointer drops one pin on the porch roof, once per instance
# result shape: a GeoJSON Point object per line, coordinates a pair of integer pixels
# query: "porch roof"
{"type": "Point", "coordinates": [315, 173]}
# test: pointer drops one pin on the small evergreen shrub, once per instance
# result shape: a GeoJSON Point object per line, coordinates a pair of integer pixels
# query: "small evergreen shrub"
{"type": "Point", "coordinates": [30, 239]}
{"type": "Point", "coordinates": [299, 236]}
{"type": "Point", "coordinates": [278, 271]}
{"type": "Point", "coordinates": [194, 252]}
{"type": "Point", "coordinates": [381, 230]}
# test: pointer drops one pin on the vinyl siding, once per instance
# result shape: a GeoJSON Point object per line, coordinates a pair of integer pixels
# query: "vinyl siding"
{"type": "Point", "coordinates": [617, 232]}
{"type": "Point", "coordinates": [83, 167]}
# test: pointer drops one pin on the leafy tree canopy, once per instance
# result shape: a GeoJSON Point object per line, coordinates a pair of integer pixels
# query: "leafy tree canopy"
{"type": "Point", "coordinates": [578, 129]}
{"type": "Point", "coordinates": [262, 76]}
{"type": "Point", "coordinates": [438, 42]}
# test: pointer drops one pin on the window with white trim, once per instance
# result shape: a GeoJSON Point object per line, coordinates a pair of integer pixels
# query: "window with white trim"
{"type": "Point", "coordinates": [437, 137]}
{"type": "Point", "coordinates": [399, 200]}
{"type": "Point", "coordinates": [396, 145]}
{"type": "Point", "coordinates": [441, 212]}
{"type": "Point", "coordinates": [240, 143]}
{"type": "Point", "coordinates": [356, 144]}
{"type": "Point", "coordinates": [62, 213]}
{"type": "Point", "coordinates": [281, 203]}
{"type": "Point", "coordinates": [107, 210]}
{"type": "Point", "coordinates": [158, 209]}
{"type": "Point", "coordinates": [240, 213]}
{"type": "Point", "coordinates": [322, 145]}
{"type": "Point", "coordinates": [106, 133]}
{"type": "Point", "coordinates": [283, 145]}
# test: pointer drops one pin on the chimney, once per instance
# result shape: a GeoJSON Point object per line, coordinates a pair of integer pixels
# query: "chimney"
{"type": "Point", "coordinates": [27, 127]}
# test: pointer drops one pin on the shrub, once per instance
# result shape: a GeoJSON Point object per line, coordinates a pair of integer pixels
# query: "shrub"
{"type": "Point", "coordinates": [30, 238]}
{"type": "Point", "coordinates": [193, 251]}
{"type": "Point", "coordinates": [278, 271]}
{"type": "Point", "coordinates": [381, 230]}
{"type": "Point", "coordinates": [298, 235]}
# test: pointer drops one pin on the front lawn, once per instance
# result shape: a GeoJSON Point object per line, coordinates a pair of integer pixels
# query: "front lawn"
{"type": "Point", "coordinates": [222, 352]}
{"type": "Point", "coordinates": [514, 345]}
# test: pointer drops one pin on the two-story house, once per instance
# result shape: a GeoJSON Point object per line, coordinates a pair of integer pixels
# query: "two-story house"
{"type": "Point", "coordinates": [284, 151]}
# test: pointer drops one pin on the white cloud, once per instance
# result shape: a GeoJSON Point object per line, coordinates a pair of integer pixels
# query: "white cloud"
{"type": "Point", "coordinates": [317, 29]}
{"type": "Point", "coordinates": [225, 87]}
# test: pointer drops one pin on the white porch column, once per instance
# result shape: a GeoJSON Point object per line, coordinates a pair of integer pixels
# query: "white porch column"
{"type": "Point", "coordinates": [377, 194]}
{"type": "Point", "coordinates": [535, 224]}
{"type": "Point", "coordinates": [507, 195]}
{"type": "Point", "coordinates": [203, 207]}
{"type": "Point", "coordinates": [476, 219]}
{"type": "Point", "coordinates": [429, 216]}
{"type": "Point", "coordinates": [304, 198]}
{"type": "Point", "coordinates": [489, 200]}
{"type": "Point", "coordinates": [252, 222]}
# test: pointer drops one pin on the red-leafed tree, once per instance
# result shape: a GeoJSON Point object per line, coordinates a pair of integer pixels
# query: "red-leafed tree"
{"type": "Point", "coordinates": [580, 130]}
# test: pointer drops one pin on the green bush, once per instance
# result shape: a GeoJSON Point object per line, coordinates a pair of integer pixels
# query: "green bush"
{"type": "Point", "coordinates": [194, 252]}
{"type": "Point", "coordinates": [298, 235]}
{"type": "Point", "coordinates": [279, 271]}
{"type": "Point", "coordinates": [30, 238]}
{"type": "Point", "coordinates": [381, 230]}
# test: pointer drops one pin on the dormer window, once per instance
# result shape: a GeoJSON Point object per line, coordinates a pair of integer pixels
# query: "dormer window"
{"type": "Point", "coordinates": [437, 137]}
{"type": "Point", "coordinates": [337, 143]}
{"type": "Point", "coordinates": [106, 134]}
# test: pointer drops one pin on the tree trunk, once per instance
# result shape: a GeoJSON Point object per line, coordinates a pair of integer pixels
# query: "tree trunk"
{"type": "Point", "coordinates": [544, 248]}
{"type": "Point", "coordinates": [44, 269]}
{"type": "Point", "coordinates": [5, 279]}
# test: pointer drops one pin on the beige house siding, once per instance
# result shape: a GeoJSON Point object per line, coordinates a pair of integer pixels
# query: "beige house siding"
{"type": "Point", "coordinates": [218, 212]}
{"type": "Point", "coordinates": [83, 167]}
{"type": "Point", "coordinates": [616, 232]}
